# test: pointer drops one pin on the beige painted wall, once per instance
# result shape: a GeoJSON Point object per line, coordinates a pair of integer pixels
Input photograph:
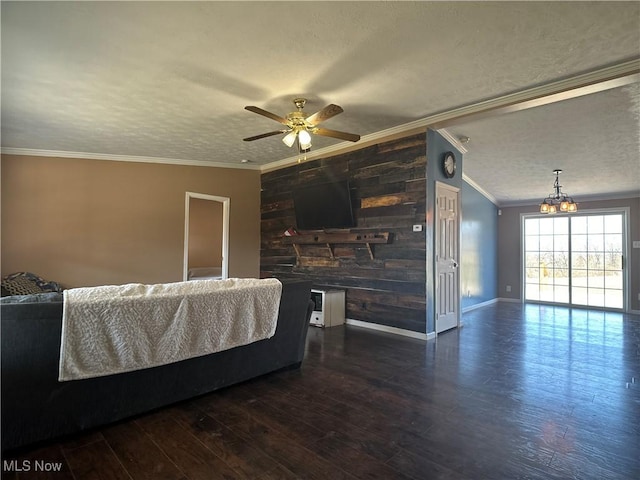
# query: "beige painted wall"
{"type": "Point", "coordinates": [205, 233]}
{"type": "Point", "coordinates": [92, 222]}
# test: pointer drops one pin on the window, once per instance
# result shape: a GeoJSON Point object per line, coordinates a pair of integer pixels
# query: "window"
{"type": "Point", "coordinates": [575, 259]}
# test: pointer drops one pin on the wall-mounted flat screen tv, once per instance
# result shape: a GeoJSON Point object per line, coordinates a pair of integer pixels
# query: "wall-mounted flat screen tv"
{"type": "Point", "coordinates": [323, 206]}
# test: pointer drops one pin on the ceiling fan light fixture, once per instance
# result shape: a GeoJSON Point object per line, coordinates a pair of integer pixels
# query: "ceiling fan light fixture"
{"type": "Point", "coordinates": [289, 139]}
{"type": "Point", "coordinates": [300, 126]}
{"type": "Point", "coordinates": [305, 139]}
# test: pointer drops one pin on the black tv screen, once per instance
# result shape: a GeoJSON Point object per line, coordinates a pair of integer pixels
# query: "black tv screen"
{"type": "Point", "coordinates": [323, 206]}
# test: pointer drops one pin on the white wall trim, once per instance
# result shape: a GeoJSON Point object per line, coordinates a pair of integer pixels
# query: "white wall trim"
{"type": "Point", "coordinates": [591, 82]}
{"type": "Point", "coordinates": [452, 140]}
{"type": "Point", "coordinates": [343, 147]}
{"type": "Point", "coordinates": [479, 189]}
{"type": "Point", "coordinates": [480, 305]}
{"type": "Point", "coordinates": [394, 330]}
{"type": "Point", "coordinates": [516, 300]}
{"type": "Point", "coordinates": [582, 199]}
{"type": "Point", "coordinates": [596, 81]}
{"type": "Point", "coordinates": [31, 152]}
{"type": "Point", "coordinates": [510, 300]}
{"type": "Point", "coordinates": [456, 143]}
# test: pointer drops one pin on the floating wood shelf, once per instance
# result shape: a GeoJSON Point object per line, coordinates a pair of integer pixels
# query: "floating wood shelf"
{"type": "Point", "coordinates": [329, 239]}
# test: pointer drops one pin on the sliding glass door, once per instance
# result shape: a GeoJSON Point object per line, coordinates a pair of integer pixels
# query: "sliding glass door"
{"type": "Point", "coordinates": [547, 259]}
{"type": "Point", "coordinates": [596, 268]}
{"type": "Point", "coordinates": [575, 259]}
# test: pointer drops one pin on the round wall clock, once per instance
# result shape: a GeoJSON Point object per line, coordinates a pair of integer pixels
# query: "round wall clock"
{"type": "Point", "coordinates": [449, 164]}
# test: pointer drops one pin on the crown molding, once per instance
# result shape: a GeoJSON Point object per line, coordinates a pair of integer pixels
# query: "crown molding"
{"type": "Point", "coordinates": [399, 131]}
{"type": "Point", "coordinates": [453, 140]}
{"type": "Point", "coordinates": [31, 152]}
{"type": "Point", "coordinates": [581, 198]}
{"type": "Point", "coordinates": [577, 86]}
{"type": "Point", "coordinates": [596, 81]}
{"type": "Point", "coordinates": [480, 190]}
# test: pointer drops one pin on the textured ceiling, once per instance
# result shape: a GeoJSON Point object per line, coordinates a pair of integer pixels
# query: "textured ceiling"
{"type": "Point", "coordinates": [594, 139]}
{"type": "Point", "coordinates": [169, 80]}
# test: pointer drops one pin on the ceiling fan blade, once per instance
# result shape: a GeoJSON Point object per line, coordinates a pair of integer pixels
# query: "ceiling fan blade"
{"type": "Point", "coordinates": [270, 115]}
{"type": "Point", "coordinates": [269, 134]}
{"type": "Point", "coordinates": [352, 137]}
{"type": "Point", "coordinates": [324, 114]}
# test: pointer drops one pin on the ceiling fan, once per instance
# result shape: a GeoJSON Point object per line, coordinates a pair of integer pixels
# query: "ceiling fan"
{"type": "Point", "coordinates": [300, 126]}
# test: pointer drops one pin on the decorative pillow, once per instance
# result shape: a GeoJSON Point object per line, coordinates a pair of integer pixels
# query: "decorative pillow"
{"type": "Point", "coordinates": [25, 283]}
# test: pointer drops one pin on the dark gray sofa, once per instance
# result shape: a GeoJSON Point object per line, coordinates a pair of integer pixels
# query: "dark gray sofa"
{"type": "Point", "coordinates": [36, 407]}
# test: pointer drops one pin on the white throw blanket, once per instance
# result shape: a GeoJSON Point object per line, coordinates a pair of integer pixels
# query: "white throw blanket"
{"type": "Point", "coordinates": [120, 328]}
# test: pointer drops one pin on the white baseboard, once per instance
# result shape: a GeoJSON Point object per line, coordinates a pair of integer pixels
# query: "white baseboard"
{"type": "Point", "coordinates": [517, 300]}
{"type": "Point", "coordinates": [394, 330]}
{"type": "Point", "coordinates": [479, 305]}
{"type": "Point", "coordinates": [432, 335]}
{"type": "Point", "coordinates": [512, 300]}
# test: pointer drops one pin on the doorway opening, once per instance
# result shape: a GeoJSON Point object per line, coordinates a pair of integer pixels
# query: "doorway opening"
{"type": "Point", "coordinates": [576, 259]}
{"type": "Point", "coordinates": [206, 237]}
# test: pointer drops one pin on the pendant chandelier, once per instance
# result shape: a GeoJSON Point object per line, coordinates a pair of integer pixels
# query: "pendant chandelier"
{"type": "Point", "coordinates": [558, 201]}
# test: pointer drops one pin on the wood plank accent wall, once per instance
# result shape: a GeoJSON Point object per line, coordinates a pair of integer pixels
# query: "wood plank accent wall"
{"type": "Point", "coordinates": [388, 191]}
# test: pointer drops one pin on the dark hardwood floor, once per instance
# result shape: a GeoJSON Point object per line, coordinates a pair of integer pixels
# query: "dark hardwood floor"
{"type": "Point", "coordinates": [520, 392]}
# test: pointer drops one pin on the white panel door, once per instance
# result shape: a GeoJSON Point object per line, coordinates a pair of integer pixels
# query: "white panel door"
{"type": "Point", "coordinates": [446, 249]}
